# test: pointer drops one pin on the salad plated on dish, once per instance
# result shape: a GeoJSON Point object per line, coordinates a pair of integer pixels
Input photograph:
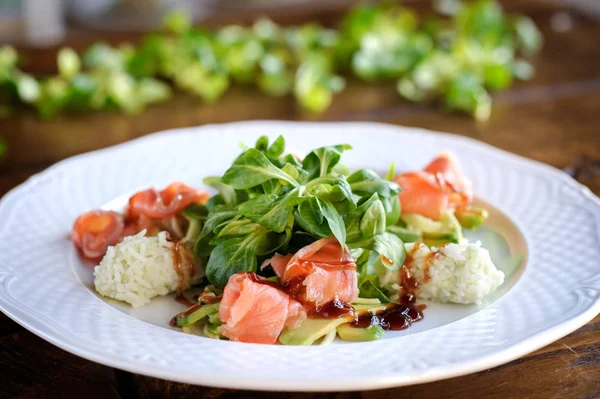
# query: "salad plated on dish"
{"type": "Point", "coordinates": [295, 250]}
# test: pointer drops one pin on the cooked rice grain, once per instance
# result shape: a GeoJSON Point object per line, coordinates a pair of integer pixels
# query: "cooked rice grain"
{"type": "Point", "coordinates": [137, 269]}
{"type": "Point", "coordinates": [459, 273]}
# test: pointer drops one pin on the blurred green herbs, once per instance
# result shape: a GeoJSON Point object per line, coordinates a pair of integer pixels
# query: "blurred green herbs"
{"type": "Point", "coordinates": [455, 60]}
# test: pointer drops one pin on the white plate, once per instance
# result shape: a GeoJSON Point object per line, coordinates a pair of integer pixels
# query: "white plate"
{"type": "Point", "coordinates": [45, 287]}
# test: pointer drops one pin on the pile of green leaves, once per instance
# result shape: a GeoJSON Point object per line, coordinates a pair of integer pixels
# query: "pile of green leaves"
{"type": "Point", "coordinates": [479, 50]}
{"type": "Point", "coordinates": [456, 60]}
{"type": "Point", "coordinates": [271, 202]}
{"type": "Point", "coordinates": [105, 83]}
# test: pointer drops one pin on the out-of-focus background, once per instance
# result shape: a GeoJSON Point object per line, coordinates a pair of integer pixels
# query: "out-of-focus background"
{"type": "Point", "coordinates": [78, 75]}
{"type": "Point", "coordinates": [47, 22]}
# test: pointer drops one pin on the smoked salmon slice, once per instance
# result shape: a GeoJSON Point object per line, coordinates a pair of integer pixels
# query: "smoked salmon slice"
{"type": "Point", "coordinates": [447, 170]}
{"type": "Point", "coordinates": [166, 203]}
{"type": "Point", "coordinates": [256, 310]}
{"type": "Point", "coordinates": [319, 273]}
{"type": "Point", "coordinates": [278, 263]}
{"type": "Point", "coordinates": [93, 232]}
{"type": "Point", "coordinates": [439, 187]}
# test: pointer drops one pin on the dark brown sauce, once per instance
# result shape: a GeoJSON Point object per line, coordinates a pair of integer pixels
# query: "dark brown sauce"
{"type": "Point", "coordinates": [295, 287]}
{"type": "Point", "coordinates": [392, 317]}
{"type": "Point", "coordinates": [207, 297]}
{"type": "Point", "coordinates": [430, 258]}
{"type": "Point", "coordinates": [184, 266]}
{"type": "Point", "coordinates": [395, 317]}
{"type": "Point", "coordinates": [185, 313]}
{"type": "Point", "coordinates": [408, 298]}
{"type": "Point", "coordinates": [183, 300]}
{"type": "Point", "coordinates": [177, 260]}
{"type": "Point", "coordinates": [333, 310]}
{"type": "Point", "coordinates": [408, 281]}
{"type": "Point", "coordinates": [386, 261]}
{"type": "Point", "coordinates": [399, 316]}
{"type": "Point", "coordinates": [411, 254]}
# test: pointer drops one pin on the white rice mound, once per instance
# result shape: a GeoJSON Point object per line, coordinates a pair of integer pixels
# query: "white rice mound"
{"type": "Point", "coordinates": [460, 273]}
{"type": "Point", "coordinates": [137, 269]}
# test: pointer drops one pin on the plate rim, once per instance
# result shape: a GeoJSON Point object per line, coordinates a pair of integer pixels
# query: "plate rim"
{"type": "Point", "coordinates": [518, 349]}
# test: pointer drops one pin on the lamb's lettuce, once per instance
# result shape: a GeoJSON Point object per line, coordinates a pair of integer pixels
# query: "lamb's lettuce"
{"type": "Point", "coordinates": [321, 161]}
{"type": "Point", "coordinates": [271, 201]}
{"type": "Point", "coordinates": [253, 168]}
{"type": "Point", "coordinates": [368, 286]}
{"type": "Point", "coordinates": [237, 254]}
{"type": "Point", "coordinates": [270, 210]}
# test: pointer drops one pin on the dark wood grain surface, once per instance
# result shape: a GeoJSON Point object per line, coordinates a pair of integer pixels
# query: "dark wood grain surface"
{"type": "Point", "coordinates": [554, 118]}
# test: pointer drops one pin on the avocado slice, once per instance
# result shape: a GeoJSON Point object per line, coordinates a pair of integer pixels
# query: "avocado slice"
{"type": "Point", "coordinates": [213, 318]}
{"type": "Point", "coordinates": [349, 333]}
{"type": "Point", "coordinates": [421, 224]}
{"type": "Point", "coordinates": [451, 224]}
{"type": "Point", "coordinates": [186, 319]}
{"type": "Point", "coordinates": [471, 217]}
{"type": "Point", "coordinates": [311, 330]}
{"type": "Point", "coordinates": [441, 240]}
{"type": "Point", "coordinates": [403, 233]}
{"type": "Point", "coordinates": [435, 233]}
{"type": "Point", "coordinates": [363, 309]}
{"type": "Point", "coordinates": [212, 331]}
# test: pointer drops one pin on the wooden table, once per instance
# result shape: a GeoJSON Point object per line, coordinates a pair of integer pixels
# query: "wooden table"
{"type": "Point", "coordinates": [555, 118]}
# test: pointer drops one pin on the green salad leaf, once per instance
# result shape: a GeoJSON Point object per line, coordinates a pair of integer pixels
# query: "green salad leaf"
{"type": "Point", "coordinates": [276, 149]}
{"type": "Point", "coordinates": [353, 219]}
{"type": "Point", "coordinates": [320, 161]}
{"type": "Point", "coordinates": [233, 255]}
{"type": "Point", "coordinates": [366, 182]}
{"type": "Point", "coordinates": [309, 217]}
{"type": "Point", "coordinates": [334, 221]}
{"type": "Point", "coordinates": [368, 287]}
{"type": "Point", "coordinates": [227, 193]}
{"type": "Point", "coordinates": [270, 210]}
{"type": "Point", "coordinates": [253, 168]}
{"type": "Point", "coordinates": [390, 249]}
{"type": "Point", "coordinates": [216, 217]}
{"type": "Point", "coordinates": [373, 221]}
